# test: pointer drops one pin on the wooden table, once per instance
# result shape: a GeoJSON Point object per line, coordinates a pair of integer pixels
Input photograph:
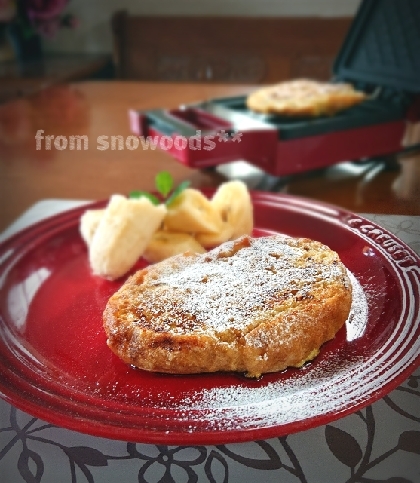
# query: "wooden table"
{"type": "Point", "coordinates": [93, 109]}
{"type": "Point", "coordinates": [22, 79]}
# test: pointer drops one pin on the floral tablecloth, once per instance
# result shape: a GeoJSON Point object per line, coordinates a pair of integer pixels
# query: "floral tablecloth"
{"type": "Point", "coordinates": [380, 443]}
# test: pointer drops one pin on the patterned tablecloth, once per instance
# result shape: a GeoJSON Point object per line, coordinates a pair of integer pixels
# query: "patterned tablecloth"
{"type": "Point", "coordinates": [380, 443]}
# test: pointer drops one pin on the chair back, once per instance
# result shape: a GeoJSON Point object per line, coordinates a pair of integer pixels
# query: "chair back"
{"type": "Point", "coordinates": [225, 49]}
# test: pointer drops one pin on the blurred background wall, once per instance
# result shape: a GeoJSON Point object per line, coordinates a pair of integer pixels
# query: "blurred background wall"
{"type": "Point", "coordinates": [94, 34]}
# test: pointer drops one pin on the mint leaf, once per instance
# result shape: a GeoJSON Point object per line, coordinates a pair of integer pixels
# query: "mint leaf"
{"type": "Point", "coordinates": [144, 194]}
{"type": "Point", "coordinates": [164, 183]}
{"type": "Point", "coordinates": [176, 192]}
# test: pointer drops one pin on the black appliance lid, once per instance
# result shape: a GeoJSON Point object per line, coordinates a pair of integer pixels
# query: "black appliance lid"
{"type": "Point", "coordinates": [382, 47]}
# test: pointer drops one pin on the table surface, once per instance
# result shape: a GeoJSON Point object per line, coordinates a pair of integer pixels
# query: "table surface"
{"type": "Point", "coordinates": [380, 443]}
{"type": "Point", "coordinates": [55, 67]}
{"type": "Point", "coordinates": [93, 109]}
{"type": "Point", "coordinates": [21, 79]}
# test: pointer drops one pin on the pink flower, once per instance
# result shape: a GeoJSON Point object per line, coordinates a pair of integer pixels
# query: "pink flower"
{"type": "Point", "coordinates": [46, 17]}
{"type": "Point", "coordinates": [44, 9]}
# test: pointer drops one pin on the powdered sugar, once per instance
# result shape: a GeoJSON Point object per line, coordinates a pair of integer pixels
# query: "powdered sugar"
{"type": "Point", "coordinates": [292, 396]}
{"type": "Point", "coordinates": [223, 291]}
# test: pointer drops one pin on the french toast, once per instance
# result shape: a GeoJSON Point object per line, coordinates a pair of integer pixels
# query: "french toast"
{"type": "Point", "coordinates": [253, 305]}
{"type": "Point", "coordinates": [304, 97]}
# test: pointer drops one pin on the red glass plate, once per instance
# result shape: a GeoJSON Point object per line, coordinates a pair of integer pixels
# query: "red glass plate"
{"type": "Point", "coordinates": [55, 365]}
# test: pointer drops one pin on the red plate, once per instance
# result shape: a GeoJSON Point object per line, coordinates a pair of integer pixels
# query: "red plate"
{"type": "Point", "coordinates": [55, 365]}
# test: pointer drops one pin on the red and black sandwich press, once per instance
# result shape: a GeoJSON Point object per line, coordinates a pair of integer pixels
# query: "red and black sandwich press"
{"type": "Point", "coordinates": [380, 55]}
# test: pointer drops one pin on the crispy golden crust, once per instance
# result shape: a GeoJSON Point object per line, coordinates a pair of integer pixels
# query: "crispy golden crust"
{"type": "Point", "coordinates": [304, 97]}
{"type": "Point", "coordinates": [252, 305]}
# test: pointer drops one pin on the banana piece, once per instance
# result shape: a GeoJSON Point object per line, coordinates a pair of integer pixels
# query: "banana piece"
{"type": "Point", "coordinates": [89, 221]}
{"type": "Point", "coordinates": [165, 244]}
{"type": "Point", "coordinates": [192, 212]}
{"type": "Point", "coordinates": [123, 233]}
{"type": "Point", "coordinates": [211, 240]}
{"type": "Point", "coordinates": [233, 203]}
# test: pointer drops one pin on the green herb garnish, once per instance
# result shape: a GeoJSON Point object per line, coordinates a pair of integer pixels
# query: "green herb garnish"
{"type": "Point", "coordinates": [176, 192]}
{"type": "Point", "coordinates": [144, 194]}
{"type": "Point", "coordinates": [164, 183]}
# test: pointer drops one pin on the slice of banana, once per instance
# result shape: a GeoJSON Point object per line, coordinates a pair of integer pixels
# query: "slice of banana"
{"type": "Point", "coordinates": [211, 240]}
{"type": "Point", "coordinates": [123, 233]}
{"type": "Point", "coordinates": [233, 202]}
{"type": "Point", "coordinates": [89, 221]}
{"type": "Point", "coordinates": [165, 244]}
{"type": "Point", "coordinates": [192, 212]}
